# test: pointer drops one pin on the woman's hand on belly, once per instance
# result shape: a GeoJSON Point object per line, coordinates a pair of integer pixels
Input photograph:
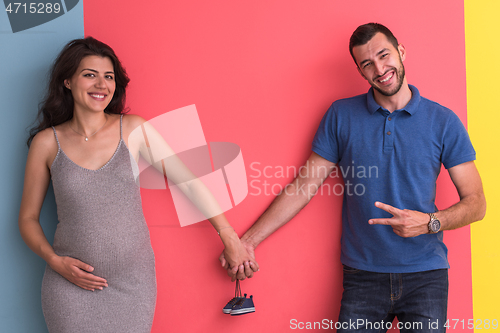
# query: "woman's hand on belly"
{"type": "Point", "coordinates": [77, 272]}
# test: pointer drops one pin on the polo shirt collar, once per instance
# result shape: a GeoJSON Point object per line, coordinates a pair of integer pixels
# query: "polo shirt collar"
{"type": "Point", "coordinates": [411, 107]}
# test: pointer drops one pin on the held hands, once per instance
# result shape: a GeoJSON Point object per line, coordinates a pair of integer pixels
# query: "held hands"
{"type": "Point", "coordinates": [78, 272]}
{"type": "Point", "coordinates": [405, 223]}
{"type": "Point", "coordinates": [238, 258]}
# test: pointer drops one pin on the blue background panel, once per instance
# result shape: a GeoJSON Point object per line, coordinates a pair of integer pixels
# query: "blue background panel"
{"type": "Point", "coordinates": [25, 59]}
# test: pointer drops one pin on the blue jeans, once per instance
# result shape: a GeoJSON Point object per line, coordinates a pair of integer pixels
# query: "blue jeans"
{"type": "Point", "coordinates": [371, 301]}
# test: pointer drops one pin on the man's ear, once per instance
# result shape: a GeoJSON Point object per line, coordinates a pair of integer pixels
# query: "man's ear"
{"type": "Point", "coordinates": [360, 72]}
{"type": "Point", "coordinates": [402, 51]}
{"type": "Point", "coordinates": [66, 84]}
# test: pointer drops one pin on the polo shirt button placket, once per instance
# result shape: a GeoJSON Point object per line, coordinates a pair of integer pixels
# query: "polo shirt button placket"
{"type": "Point", "coordinates": [388, 137]}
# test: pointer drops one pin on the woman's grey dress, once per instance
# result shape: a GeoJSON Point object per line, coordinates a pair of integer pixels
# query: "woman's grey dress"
{"type": "Point", "coordinates": [102, 224]}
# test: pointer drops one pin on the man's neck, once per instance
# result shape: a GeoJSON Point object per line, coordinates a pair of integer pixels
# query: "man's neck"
{"type": "Point", "coordinates": [396, 101]}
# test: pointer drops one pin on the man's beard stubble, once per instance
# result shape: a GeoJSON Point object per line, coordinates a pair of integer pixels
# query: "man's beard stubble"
{"type": "Point", "coordinates": [400, 72]}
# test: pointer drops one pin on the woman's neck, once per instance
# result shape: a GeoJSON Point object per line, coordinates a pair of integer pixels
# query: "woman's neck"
{"type": "Point", "coordinates": [88, 124]}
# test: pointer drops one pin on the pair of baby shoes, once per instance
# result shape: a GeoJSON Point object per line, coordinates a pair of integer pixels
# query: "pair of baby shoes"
{"type": "Point", "coordinates": [239, 305]}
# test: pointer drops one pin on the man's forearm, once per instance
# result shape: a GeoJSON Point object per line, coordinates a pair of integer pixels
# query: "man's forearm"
{"type": "Point", "coordinates": [294, 197]}
{"type": "Point", "coordinates": [469, 209]}
{"type": "Point", "coordinates": [284, 207]}
{"type": "Point", "coordinates": [472, 204]}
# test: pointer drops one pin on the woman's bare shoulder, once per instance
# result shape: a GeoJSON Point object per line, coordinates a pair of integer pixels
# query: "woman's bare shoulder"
{"type": "Point", "coordinates": [44, 145]}
{"type": "Point", "coordinates": [132, 121]}
{"type": "Point", "coordinates": [44, 139]}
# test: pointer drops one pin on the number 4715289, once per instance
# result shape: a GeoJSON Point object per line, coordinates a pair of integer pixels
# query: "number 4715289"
{"type": "Point", "coordinates": [471, 324]}
{"type": "Point", "coordinates": [34, 8]}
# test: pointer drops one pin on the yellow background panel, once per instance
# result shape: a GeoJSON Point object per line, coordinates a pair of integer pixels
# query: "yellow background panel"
{"type": "Point", "coordinates": [482, 44]}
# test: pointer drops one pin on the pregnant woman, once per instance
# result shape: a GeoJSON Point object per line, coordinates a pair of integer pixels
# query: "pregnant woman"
{"type": "Point", "coordinates": [100, 273]}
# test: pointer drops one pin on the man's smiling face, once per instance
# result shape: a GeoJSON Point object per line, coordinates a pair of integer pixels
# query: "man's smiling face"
{"type": "Point", "coordinates": [381, 64]}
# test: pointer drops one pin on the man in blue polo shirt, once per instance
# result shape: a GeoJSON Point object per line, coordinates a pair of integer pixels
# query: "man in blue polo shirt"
{"type": "Point", "coordinates": [395, 261]}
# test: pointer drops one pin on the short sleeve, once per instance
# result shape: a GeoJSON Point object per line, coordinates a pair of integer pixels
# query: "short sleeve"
{"type": "Point", "coordinates": [325, 142]}
{"type": "Point", "coordinates": [457, 147]}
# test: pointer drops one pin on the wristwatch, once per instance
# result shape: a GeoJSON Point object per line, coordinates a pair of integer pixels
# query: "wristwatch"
{"type": "Point", "coordinates": [434, 224]}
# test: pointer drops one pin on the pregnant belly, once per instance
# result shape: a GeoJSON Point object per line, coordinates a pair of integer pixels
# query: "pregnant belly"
{"type": "Point", "coordinates": [111, 251]}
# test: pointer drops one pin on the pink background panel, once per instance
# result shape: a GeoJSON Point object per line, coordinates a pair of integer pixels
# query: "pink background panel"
{"type": "Point", "coordinates": [228, 156]}
{"type": "Point", "coordinates": [181, 128]}
{"type": "Point", "coordinates": [262, 74]}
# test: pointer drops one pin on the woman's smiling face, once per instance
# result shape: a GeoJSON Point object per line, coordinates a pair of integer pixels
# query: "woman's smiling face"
{"type": "Point", "coordinates": [93, 84]}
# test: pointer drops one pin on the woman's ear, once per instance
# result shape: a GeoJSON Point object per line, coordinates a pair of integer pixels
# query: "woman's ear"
{"type": "Point", "coordinates": [66, 84]}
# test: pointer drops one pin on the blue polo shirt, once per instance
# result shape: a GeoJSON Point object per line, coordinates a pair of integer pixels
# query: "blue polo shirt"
{"type": "Point", "coordinates": [394, 158]}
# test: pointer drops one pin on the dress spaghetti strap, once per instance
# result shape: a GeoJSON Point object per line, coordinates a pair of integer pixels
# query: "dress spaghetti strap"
{"type": "Point", "coordinates": [121, 131]}
{"type": "Point", "coordinates": [55, 133]}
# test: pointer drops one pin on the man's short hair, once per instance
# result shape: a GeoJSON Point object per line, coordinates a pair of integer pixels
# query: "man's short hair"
{"type": "Point", "coordinates": [365, 32]}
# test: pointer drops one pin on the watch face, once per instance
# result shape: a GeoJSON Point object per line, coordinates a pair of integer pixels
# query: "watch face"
{"type": "Point", "coordinates": [435, 225]}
